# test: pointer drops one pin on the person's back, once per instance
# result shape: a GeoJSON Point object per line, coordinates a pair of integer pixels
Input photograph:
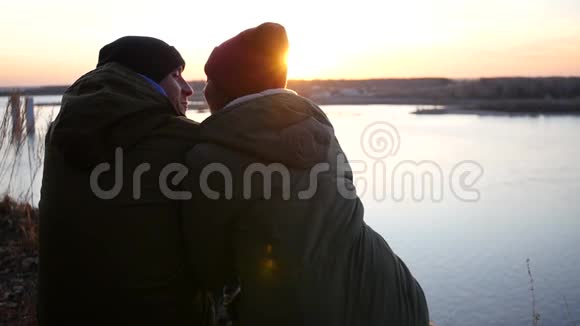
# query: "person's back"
{"type": "Point", "coordinates": [279, 210]}
{"type": "Point", "coordinates": [111, 246]}
{"type": "Point", "coordinates": [297, 242]}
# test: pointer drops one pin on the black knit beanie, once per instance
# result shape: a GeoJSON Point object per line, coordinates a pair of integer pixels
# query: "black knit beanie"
{"type": "Point", "coordinates": [145, 55]}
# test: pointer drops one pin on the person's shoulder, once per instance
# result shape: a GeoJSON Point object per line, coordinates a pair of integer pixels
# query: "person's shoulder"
{"type": "Point", "coordinates": [208, 152]}
{"type": "Point", "coordinates": [184, 122]}
{"type": "Point", "coordinates": [216, 155]}
{"type": "Point", "coordinates": [180, 131]}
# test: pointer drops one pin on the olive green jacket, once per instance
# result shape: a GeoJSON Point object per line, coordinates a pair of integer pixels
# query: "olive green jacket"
{"type": "Point", "coordinates": [297, 242]}
{"type": "Point", "coordinates": [113, 258]}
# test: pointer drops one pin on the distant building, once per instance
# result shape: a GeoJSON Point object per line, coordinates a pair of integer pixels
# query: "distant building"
{"type": "Point", "coordinates": [351, 92]}
{"type": "Point", "coordinates": [320, 94]}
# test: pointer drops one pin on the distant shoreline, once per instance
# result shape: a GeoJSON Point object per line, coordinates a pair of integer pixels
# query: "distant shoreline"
{"type": "Point", "coordinates": [426, 106]}
{"type": "Point", "coordinates": [490, 113]}
{"type": "Point", "coordinates": [475, 107]}
{"type": "Point", "coordinates": [507, 107]}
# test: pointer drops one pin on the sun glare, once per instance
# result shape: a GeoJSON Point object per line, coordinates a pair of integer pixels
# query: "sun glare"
{"type": "Point", "coordinates": [309, 62]}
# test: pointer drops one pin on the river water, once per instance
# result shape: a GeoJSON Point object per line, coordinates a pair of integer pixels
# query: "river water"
{"type": "Point", "coordinates": [500, 190]}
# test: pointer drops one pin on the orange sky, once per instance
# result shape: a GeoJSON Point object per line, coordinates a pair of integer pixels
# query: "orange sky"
{"type": "Point", "coordinates": [46, 43]}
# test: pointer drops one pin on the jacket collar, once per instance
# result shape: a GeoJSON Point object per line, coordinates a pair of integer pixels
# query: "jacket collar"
{"type": "Point", "coordinates": [247, 98]}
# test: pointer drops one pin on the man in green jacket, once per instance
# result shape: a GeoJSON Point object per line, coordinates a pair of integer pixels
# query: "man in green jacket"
{"type": "Point", "coordinates": [111, 240]}
{"type": "Point", "coordinates": [275, 206]}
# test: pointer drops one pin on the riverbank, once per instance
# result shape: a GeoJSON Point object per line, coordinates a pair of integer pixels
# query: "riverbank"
{"type": "Point", "coordinates": [503, 107]}
{"type": "Point", "coordinates": [507, 108]}
{"type": "Point", "coordinates": [18, 262]}
{"type": "Point", "coordinates": [474, 107]}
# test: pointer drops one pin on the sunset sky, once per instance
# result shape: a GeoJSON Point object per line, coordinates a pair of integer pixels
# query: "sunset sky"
{"type": "Point", "coordinates": [55, 42]}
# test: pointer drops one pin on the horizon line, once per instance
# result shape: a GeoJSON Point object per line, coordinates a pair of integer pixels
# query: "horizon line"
{"type": "Point", "coordinates": [337, 79]}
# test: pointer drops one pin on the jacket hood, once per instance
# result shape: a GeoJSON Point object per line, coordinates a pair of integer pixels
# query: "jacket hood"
{"type": "Point", "coordinates": [283, 128]}
{"type": "Point", "coordinates": [106, 108]}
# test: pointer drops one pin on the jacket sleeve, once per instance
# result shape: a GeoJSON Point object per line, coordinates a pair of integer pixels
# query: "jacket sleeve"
{"type": "Point", "coordinates": [209, 216]}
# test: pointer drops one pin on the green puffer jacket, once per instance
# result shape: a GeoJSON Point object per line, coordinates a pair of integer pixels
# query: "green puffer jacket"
{"type": "Point", "coordinates": [116, 261]}
{"type": "Point", "coordinates": [302, 258]}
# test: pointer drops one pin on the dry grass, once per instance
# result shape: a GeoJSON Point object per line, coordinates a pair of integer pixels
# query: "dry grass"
{"type": "Point", "coordinates": [21, 153]}
{"type": "Point", "coordinates": [19, 261]}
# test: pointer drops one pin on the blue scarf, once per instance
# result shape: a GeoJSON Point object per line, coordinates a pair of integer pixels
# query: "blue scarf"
{"type": "Point", "coordinates": [157, 87]}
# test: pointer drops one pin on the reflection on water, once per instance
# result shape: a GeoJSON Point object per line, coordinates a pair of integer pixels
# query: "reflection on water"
{"type": "Point", "coordinates": [470, 257]}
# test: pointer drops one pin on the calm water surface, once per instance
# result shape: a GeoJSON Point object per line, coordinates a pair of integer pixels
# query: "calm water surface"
{"type": "Point", "coordinates": [470, 257]}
